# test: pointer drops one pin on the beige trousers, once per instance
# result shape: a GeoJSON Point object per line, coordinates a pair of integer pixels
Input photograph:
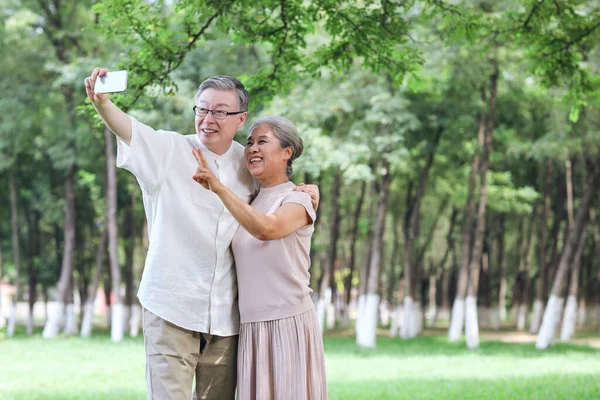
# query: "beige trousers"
{"type": "Point", "coordinates": [175, 355]}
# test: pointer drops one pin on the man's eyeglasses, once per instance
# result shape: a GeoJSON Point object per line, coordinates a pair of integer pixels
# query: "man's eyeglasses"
{"type": "Point", "coordinates": [217, 114]}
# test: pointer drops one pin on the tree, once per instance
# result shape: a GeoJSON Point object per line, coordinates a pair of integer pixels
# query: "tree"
{"type": "Point", "coordinates": [556, 300]}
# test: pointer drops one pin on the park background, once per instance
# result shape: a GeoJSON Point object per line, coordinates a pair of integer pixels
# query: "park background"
{"type": "Point", "coordinates": [455, 144]}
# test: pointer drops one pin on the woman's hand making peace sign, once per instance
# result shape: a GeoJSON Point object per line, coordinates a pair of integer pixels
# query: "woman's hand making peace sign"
{"type": "Point", "coordinates": [204, 175]}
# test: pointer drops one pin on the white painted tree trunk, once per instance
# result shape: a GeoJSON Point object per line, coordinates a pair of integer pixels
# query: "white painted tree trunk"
{"type": "Point", "coordinates": [418, 319]}
{"type": "Point", "coordinates": [116, 326]}
{"type": "Point", "coordinates": [360, 309]}
{"type": "Point", "coordinates": [457, 320]}
{"type": "Point", "coordinates": [522, 317]}
{"type": "Point", "coordinates": [502, 313]}
{"type": "Point", "coordinates": [384, 313]}
{"type": "Point", "coordinates": [71, 320]}
{"type": "Point", "coordinates": [330, 316]}
{"type": "Point", "coordinates": [53, 324]}
{"type": "Point", "coordinates": [569, 319]}
{"type": "Point", "coordinates": [321, 311]}
{"type": "Point", "coordinates": [549, 322]}
{"type": "Point", "coordinates": [88, 319]}
{"type": "Point", "coordinates": [368, 329]}
{"type": "Point", "coordinates": [431, 314]}
{"type": "Point", "coordinates": [471, 322]}
{"type": "Point", "coordinates": [29, 326]}
{"type": "Point", "coordinates": [409, 327]}
{"type": "Point", "coordinates": [536, 317]}
{"type": "Point", "coordinates": [340, 309]}
{"type": "Point", "coordinates": [12, 320]}
{"type": "Point", "coordinates": [136, 320]}
{"type": "Point", "coordinates": [322, 306]}
{"type": "Point", "coordinates": [396, 322]}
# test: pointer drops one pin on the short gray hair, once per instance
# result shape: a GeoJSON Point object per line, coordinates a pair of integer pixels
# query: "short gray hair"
{"type": "Point", "coordinates": [286, 132]}
{"type": "Point", "coordinates": [223, 82]}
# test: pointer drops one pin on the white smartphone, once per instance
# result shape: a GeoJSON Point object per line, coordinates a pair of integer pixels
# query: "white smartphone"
{"type": "Point", "coordinates": [113, 81]}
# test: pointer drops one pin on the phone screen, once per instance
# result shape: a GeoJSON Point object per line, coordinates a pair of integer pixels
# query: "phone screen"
{"type": "Point", "coordinates": [112, 82]}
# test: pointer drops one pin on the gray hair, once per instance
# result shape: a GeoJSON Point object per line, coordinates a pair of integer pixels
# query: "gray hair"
{"type": "Point", "coordinates": [223, 82]}
{"type": "Point", "coordinates": [287, 133]}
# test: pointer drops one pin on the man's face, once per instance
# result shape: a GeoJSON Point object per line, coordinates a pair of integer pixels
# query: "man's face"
{"type": "Point", "coordinates": [217, 134]}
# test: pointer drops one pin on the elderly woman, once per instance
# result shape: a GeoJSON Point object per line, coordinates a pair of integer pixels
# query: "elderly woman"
{"type": "Point", "coordinates": [280, 353]}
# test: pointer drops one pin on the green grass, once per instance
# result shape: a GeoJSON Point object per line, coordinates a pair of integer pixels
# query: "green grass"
{"type": "Point", "coordinates": [424, 368]}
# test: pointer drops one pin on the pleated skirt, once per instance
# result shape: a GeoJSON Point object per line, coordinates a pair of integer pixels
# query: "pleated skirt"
{"type": "Point", "coordinates": [282, 360]}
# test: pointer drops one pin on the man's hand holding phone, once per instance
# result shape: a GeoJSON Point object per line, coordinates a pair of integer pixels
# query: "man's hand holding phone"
{"type": "Point", "coordinates": [96, 86]}
{"type": "Point", "coordinates": [101, 82]}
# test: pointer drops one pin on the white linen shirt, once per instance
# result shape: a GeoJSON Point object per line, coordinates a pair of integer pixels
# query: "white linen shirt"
{"type": "Point", "coordinates": [189, 277]}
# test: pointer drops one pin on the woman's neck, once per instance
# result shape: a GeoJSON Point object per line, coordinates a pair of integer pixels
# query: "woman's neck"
{"type": "Point", "coordinates": [273, 181]}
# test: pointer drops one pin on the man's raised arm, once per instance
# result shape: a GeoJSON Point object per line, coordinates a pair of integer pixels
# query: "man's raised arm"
{"type": "Point", "coordinates": [116, 120]}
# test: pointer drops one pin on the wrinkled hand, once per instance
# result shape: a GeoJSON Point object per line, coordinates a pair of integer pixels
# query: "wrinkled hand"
{"type": "Point", "coordinates": [313, 192]}
{"type": "Point", "coordinates": [90, 83]}
{"type": "Point", "coordinates": [204, 176]}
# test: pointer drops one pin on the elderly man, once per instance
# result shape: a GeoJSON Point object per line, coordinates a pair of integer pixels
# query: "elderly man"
{"type": "Point", "coordinates": [188, 288]}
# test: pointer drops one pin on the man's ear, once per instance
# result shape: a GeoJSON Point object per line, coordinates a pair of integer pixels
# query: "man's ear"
{"type": "Point", "coordinates": [242, 119]}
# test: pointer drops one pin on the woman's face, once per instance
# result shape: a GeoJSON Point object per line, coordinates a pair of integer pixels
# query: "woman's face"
{"type": "Point", "coordinates": [265, 158]}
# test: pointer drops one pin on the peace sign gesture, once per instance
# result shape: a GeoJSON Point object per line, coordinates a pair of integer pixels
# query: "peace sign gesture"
{"type": "Point", "coordinates": [204, 175]}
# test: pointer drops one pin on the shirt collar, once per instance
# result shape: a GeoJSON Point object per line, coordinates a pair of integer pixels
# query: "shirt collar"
{"type": "Point", "coordinates": [214, 156]}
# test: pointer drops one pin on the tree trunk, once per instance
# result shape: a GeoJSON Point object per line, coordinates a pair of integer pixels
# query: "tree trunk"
{"type": "Point", "coordinates": [501, 271]}
{"type": "Point", "coordinates": [12, 319]}
{"type": "Point", "coordinates": [394, 303]}
{"type": "Point", "coordinates": [444, 310]}
{"type": "Point", "coordinates": [88, 311]}
{"type": "Point", "coordinates": [471, 323]}
{"type": "Point", "coordinates": [66, 271]}
{"type": "Point", "coordinates": [136, 317]}
{"type": "Point", "coordinates": [524, 305]}
{"type": "Point", "coordinates": [45, 295]}
{"type": "Point", "coordinates": [353, 236]}
{"type": "Point", "coordinates": [361, 319]}
{"type": "Point", "coordinates": [70, 318]}
{"type": "Point", "coordinates": [129, 239]}
{"type": "Point", "coordinates": [35, 252]}
{"type": "Point", "coordinates": [2, 320]}
{"type": "Point", "coordinates": [326, 292]}
{"type": "Point", "coordinates": [457, 317]}
{"type": "Point", "coordinates": [368, 339]}
{"type": "Point", "coordinates": [106, 286]}
{"type": "Point", "coordinates": [485, 292]}
{"type": "Point", "coordinates": [570, 312]}
{"type": "Point", "coordinates": [409, 328]}
{"type": "Point", "coordinates": [313, 257]}
{"type": "Point", "coordinates": [554, 306]}
{"type": "Point", "coordinates": [116, 331]}
{"type": "Point", "coordinates": [595, 280]}
{"type": "Point", "coordinates": [432, 291]}
{"type": "Point", "coordinates": [542, 280]}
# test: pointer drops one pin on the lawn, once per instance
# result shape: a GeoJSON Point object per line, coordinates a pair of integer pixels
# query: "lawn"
{"type": "Point", "coordinates": [428, 367]}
